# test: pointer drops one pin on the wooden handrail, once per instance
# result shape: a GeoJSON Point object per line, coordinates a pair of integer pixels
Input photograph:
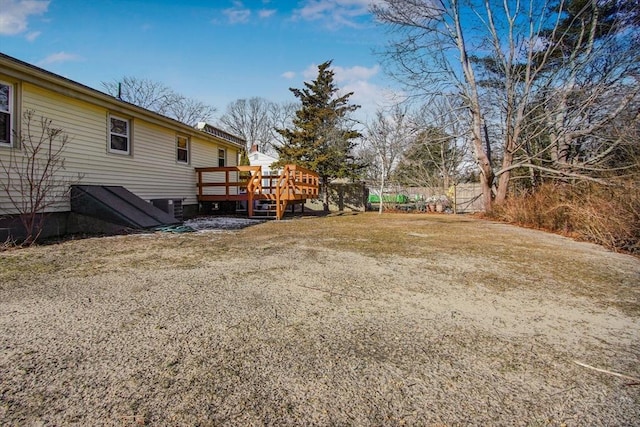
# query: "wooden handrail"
{"type": "Point", "coordinates": [293, 183]}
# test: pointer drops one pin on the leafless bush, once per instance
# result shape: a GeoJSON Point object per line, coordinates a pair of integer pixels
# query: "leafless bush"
{"type": "Point", "coordinates": [7, 244]}
{"type": "Point", "coordinates": [606, 215]}
{"type": "Point", "coordinates": [34, 180]}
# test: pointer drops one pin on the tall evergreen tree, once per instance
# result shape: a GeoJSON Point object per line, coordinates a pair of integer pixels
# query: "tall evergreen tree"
{"type": "Point", "coordinates": [321, 138]}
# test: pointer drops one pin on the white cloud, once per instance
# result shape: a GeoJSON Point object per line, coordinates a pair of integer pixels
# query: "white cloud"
{"type": "Point", "coordinates": [32, 35]}
{"type": "Point", "coordinates": [315, 9]}
{"type": "Point", "coordinates": [342, 74]}
{"type": "Point", "coordinates": [357, 79]}
{"type": "Point", "coordinates": [335, 13]}
{"type": "Point", "coordinates": [266, 13]}
{"type": "Point", "coordinates": [355, 73]}
{"type": "Point", "coordinates": [238, 14]}
{"type": "Point", "coordinates": [370, 97]}
{"type": "Point", "coordinates": [55, 58]}
{"type": "Point", "coordinates": [288, 75]}
{"type": "Point", "coordinates": [14, 14]}
{"type": "Point", "coordinates": [311, 72]}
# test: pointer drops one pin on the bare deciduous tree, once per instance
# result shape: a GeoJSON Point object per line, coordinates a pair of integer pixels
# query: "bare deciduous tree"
{"type": "Point", "coordinates": [282, 115]}
{"type": "Point", "coordinates": [35, 179]}
{"type": "Point", "coordinates": [534, 77]}
{"type": "Point", "coordinates": [145, 93]}
{"type": "Point", "coordinates": [256, 120]}
{"type": "Point", "coordinates": [250, 119]}
{"type": "Point", "coordinates": [387, 138]}
{"type": "Point", "coordinates": [158, 97]}
{"type": "Point", "coordinates": [190, 111]}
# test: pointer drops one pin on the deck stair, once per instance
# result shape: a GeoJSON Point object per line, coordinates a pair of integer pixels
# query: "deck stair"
{"type": "Point", "coordinates": [294, 184]}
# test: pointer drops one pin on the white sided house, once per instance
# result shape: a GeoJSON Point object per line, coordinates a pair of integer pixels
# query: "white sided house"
{"type": "Point", "coordinates": [265, 161]}
{"type": "Point", "coordinates": [258, 158]}
{"type": "Point", "coordinates": [114, 148]}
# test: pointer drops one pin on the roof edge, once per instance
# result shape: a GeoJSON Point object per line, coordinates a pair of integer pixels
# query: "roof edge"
{"type": "Point", "coordinates": [104, 98]}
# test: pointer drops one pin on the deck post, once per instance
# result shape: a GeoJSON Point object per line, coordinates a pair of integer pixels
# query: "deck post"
{"type": "Point", "coordinates": [278, 208]}
{"type": "Point", "coordinates": [250, 191]}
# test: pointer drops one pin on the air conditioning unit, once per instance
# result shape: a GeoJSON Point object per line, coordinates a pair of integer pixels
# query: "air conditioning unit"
{"type": "Point", "coordinates": [170, 206]}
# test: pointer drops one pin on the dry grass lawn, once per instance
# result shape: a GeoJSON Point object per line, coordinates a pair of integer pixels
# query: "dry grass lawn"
{"type": "Point", "coordinates": [347, 320]}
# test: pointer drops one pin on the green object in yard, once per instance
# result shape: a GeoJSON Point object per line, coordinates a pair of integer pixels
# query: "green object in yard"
{"type": "Point", "coordinates": [388, 198]}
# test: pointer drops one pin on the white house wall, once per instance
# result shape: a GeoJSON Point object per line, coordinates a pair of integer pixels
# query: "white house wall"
{"type": "Point", "coordinates": [150, 171]}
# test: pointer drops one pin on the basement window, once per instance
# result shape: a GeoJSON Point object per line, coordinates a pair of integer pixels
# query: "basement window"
{"type": "Point", "coordinates": [6, 113]}
{"type": "Point", "coordinates": [119, 135]}
{"type": "Point", "coordinates": [182, 149]}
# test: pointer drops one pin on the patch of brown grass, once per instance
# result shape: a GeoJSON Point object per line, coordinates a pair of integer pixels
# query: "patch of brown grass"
{"type": "Point", "coordinates": [399, 319]}
{"type": "Point", "coordinates": [471, 251]}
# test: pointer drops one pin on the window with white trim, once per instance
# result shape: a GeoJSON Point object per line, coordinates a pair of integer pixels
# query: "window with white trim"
{"type": "Point", "coordinates": [182, 149]}
{"type": "Point", "coordinates": [119, 135]}
{"type": "Point", "coordinates": [6, 113]}
{"type": "Point", "coordinates": [222, 157]}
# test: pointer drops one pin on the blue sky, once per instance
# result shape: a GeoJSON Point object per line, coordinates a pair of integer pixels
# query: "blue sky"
{"type": "Point", "coordinates": [216, 51]}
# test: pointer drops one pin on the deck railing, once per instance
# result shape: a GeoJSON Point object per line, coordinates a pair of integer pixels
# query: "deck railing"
{"type": "Point", "coordinates": [234, 183]}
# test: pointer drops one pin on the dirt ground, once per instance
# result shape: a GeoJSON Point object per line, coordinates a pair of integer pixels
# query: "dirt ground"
{"type": "Point", "coordinates": [430, 320]}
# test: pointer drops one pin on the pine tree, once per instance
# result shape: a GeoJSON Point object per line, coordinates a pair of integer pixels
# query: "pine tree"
{"type": "Point", "coordinates": [321, 139]}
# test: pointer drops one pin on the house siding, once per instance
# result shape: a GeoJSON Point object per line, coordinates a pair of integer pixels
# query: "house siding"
{"type": "Point", "coordinates": [150, 171]}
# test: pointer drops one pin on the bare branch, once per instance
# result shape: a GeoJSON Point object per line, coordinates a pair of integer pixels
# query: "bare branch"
{"type": "Point", "coordinates": [157, 97]}
{"type": "Point", "coordinates": [36, 181]}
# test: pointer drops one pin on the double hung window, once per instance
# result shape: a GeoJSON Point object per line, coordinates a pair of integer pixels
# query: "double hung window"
{"type": "Point", "coordinates": [182, 149]}
{"type": "Point", "coordinates": [6, 112]}
{"type": "Point", "coordinates": [119, 135]}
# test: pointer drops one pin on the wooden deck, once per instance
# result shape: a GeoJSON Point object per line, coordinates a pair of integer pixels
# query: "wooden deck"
{"type": "Point", "coordinates": [246, 183]}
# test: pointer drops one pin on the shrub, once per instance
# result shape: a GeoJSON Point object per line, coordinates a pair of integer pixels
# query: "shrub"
{"type": "Point", "coordinates": [606, 215]}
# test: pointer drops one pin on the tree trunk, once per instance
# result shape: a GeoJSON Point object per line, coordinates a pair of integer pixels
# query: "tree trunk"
{"type": "Point", "coordinates": [381, 191]}
{"type": "Point", "coordinates": [325, 194]}
{"type": "Point", "coordinates": [473, 103]}
{"type": "Point", "coordinates": [503, 181]}
{"type": "Point", "coordinates": [486, 171]}
{"type": "Point", "coordinates": [507, 162]}
{"type": "Point", "coordinates": [486, 180]}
